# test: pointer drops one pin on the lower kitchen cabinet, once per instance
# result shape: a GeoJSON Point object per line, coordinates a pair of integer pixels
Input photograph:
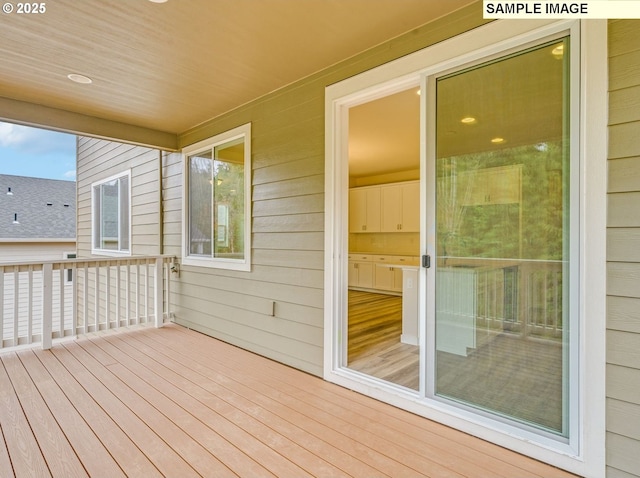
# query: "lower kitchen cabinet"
{"type": "Point", "coordinates": [378, 273]}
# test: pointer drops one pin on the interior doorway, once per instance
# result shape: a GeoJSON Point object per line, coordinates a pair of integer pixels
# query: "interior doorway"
{"type": "Point", "coordinates": [384, 238]}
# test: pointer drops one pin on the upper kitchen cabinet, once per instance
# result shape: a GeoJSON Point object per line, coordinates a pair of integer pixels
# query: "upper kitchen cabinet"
{"type": "Point", "coordinates": [364, 209]}
{"type": "Point", "coordinates": [392, 207]}
{"type": "Point", "coordinates": [498, 185]}
{"type": "Point", "coordinates": [400, 207]}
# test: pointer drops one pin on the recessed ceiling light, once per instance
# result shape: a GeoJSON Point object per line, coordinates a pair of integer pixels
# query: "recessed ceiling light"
{"type": "Point", "coordinates": [498, 140]}
{"type": "Point", "coordinates": [558, 51]}
{"type": "Point", "coordinates": [85, 80]}
{"type": "Point", "coordinates": [158, 1]}
{"type": "Point", "coordinates": [468, 120]}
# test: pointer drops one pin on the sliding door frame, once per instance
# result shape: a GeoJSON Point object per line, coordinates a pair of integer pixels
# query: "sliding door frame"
{"type": "Point", "coordinates": [584, 454]}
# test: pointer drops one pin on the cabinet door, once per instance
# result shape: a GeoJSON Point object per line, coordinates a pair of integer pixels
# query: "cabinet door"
{"type": "Point", "coordinates": [364, 210]}
{"type": "Point", "coordinates": [410, 207]}
{"type": "Point", "coordinates": [391, 208]}
{"type": "Point", "coordinates": [384, 277]}
{"type": "Point", "coordinates": [353, 274]}
{"type": "Point", "coordinates": [471, 189]}
{"type": "Point", "coordinates": [400, 206]}
{"type": "Point", "coordinates": [365, 274]}
{"type": "Point", "coordinates": [504, 185]}
{"type": "Point", "coordinates": [397, 279]}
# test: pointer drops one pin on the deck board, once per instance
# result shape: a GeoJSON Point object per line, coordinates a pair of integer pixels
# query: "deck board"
{"type": "Point", "coordinates": [83, 441]}
{"type": "Point", "coordinates": [189, 396]}
{"type": "Point", "coordinates": [5, 461]}
{"type": "Point", "coordinates": [173, 402]}
{"type": "Point", "coordinates": [365, 413]}
{"type": "Point", "coordinates": [124, 451]}
{"type": "Point", "coordinates": [25, 455]}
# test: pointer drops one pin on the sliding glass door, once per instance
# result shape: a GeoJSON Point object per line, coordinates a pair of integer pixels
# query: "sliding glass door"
{"type": "Point", "coordinates": [503, 238]}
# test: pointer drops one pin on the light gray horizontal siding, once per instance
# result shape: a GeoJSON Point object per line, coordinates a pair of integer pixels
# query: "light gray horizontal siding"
{"type": "Point", "coordinates": [623, 252]}
{"type": "Point", "coordinates": [287, 129]}
{"type": "Point", "coordinates": [99, 159]}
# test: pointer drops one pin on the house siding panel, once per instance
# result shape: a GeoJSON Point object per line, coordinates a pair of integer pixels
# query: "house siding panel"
{"type": "Point", "coordinates": [287, 211]}
{"type": "Point", "coordinates": [623, 236]}
{"type": "Point", "coordinates": [99, 159]}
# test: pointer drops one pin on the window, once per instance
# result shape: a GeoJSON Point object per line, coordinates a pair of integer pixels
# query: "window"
{"type": "Point", "coordinates": [111, 208]}
{"type": "Point", "coordinates": [217, 204]}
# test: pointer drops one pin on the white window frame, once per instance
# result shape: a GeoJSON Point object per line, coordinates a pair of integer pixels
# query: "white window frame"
{"type": "Point", "coordinates": [585, 452]}
{"type": "Point", "coordinates": [244, 132]}
{"type": "Point", "coordinates": [112, 252]}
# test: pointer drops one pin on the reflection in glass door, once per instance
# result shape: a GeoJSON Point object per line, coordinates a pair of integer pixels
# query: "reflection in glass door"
{"type": "Point", "coordinates": [502, 240]}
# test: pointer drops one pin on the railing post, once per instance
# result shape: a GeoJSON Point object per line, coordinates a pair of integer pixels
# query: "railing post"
{"type": "Point", "coordinates": [47, 304]}
{"type": "Point", "coordinates": [158, 293]}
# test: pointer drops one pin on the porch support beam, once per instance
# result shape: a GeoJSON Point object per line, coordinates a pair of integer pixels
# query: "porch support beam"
{"type": "Point", "coordinates": [31, 114]}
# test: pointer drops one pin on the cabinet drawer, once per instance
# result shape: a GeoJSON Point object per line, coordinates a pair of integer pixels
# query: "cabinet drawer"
{"type": "Point", "coordinates": [397, 260]}
{"type": "Point", "coordinates": [361, 257]}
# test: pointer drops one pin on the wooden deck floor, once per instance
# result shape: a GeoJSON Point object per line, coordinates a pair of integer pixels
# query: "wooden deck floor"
{"type": "Point", "coordinates": [171, 402]}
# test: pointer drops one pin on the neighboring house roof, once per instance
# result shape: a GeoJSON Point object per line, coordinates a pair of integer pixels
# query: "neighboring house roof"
{"type": "Point", "coordinates": [45, 208]}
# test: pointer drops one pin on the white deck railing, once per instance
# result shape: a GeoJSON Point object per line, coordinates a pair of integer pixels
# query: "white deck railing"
{"type": "Point", "coordinates": [43, 301]}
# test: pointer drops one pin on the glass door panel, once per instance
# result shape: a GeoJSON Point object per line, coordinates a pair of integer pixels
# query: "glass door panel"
{"type": "Point", "coordinates": [384, 239]}
{"type": "Point", "coordinates": [502, 240]}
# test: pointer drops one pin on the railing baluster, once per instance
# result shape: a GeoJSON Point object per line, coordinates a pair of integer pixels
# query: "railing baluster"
{"type": "Point", "coordinates": [62, 315]}
{"type": "Point", "coordinates": [146, 291]}
{"type": "Point", "coordinates": [47, 305]}
{"type": "Point", "coordinates": [167, 271]}
{"type": "Point", "coordinates": [30, 305]}
{"type": "Point", "coordinates": [85, 320]}
{"type": "Point", "coordinates": [128, 293]}
{"type": "Point", "coordinates": [74, 300]}
{"type": "Point", "coordinates": [118, 324]}
{"type": "Point", "coordinates": [137, 292]}
{"type": "Point", "coordinates": [16, 303]}
{"type": "Point", "coordinates": [157, 293]}
{"type": "Point", "coordinates": [97, 297]}
{"type": "Point", "coordinates": [107, 298]}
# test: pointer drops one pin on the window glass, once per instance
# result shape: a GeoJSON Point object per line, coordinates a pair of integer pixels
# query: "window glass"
{"type": "Point", "coordinates": [111, 210]}
{"type": "Point", "coordinates": [502, 193]}
{"type": "Point", "coordinates": [218, 221]}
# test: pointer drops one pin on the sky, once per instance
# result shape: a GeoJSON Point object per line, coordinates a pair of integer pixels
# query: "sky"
{"type": "Point", "coordinates": [37, 153]}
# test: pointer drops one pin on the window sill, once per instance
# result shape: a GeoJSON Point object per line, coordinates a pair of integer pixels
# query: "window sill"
{"type": "Point", "coordinates": [211, 263]}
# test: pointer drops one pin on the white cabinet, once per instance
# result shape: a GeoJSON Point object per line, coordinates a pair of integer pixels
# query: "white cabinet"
{"type": "Point", "coordinates": [393, 207]}
{"type": "Point", "coordinates": [400, 206]}
{"type": "Point", "coordinates": [378, 272]}
{"type": "Point", "coordinates": [500, 185]}
{"type": "Point", "coordinates": [388, 271]}
{"type": "Point", "coordinates": [360, 271]}
{"type": "Point", "coordinates": [364, 209]}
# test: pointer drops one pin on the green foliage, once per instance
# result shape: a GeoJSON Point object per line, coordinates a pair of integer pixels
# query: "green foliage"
{"type": "Point", "coordinates": [528, 227]}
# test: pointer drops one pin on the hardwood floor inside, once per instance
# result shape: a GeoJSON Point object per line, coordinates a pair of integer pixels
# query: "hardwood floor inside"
{"type": "Point", "coordinates": [375, 327]}
{"type": "Point", "coordinates": [508, 374]}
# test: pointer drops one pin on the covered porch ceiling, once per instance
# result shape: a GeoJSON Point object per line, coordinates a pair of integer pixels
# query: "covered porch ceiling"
{"type": "Point", "coordinates": [160, 69]}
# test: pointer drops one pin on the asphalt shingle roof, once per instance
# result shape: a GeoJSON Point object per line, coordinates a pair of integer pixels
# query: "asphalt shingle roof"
{"type": "Point", "coordinates": [46, 208]}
